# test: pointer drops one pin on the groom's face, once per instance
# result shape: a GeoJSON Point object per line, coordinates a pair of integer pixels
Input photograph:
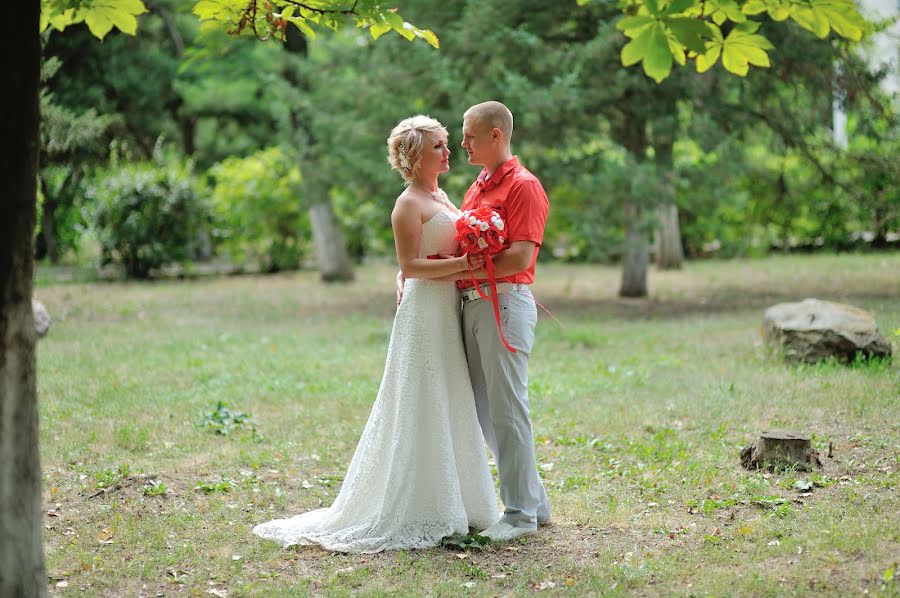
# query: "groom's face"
{"type": "Point", "coordinates": [478, 142]}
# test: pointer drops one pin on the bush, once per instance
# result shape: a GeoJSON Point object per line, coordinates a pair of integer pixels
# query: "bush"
{"type": "Point", "coordinates": [148, 215]}
{"type": "Point", "coordinates": [259, 212]}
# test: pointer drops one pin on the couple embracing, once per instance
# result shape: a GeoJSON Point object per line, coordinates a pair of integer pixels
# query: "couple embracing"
{"type": "Point", "coordinates": [420, 472]}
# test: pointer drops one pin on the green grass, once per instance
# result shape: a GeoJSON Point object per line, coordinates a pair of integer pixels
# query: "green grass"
{"type": "Point", "coordinates": [639, 406]}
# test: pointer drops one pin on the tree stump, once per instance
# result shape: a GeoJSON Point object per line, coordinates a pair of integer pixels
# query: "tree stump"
{"type": "Point", "coordinates": [781, 448]}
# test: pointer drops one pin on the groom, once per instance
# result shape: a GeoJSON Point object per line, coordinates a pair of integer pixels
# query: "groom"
{"type": "Point", "coordinates": [500, 377]}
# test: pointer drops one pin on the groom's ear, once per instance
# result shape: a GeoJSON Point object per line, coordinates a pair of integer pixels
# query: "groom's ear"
{"type": "Point", "coordinates": [496, 134]}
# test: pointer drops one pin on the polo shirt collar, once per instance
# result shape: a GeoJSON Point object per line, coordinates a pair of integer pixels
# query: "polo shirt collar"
{"type": "Point", "coordinates": [498, 175]}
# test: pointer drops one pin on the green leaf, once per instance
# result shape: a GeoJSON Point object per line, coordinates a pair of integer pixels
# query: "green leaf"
{"type": "Point", "coordinates": [379, 29]}
{"type": "Point", "coordinates": [429, 36]}
{"type": "Point", "coordinates": [60, 21]}
{"type": "Point", "coordinates": [678, 6]}
{"type": "Point", "coordinates": [726, 10]}
{"type": "Point", "coordinates": [635, 50]}
{"type": "Point", "coordinates": [754, 7]}
{"type": "Point", "coordinates": [302, 24]}
{"type": "Point", "coordinates": [842, 16]}
{"type": "Point", "coordinates": [211, 9]}
{"type": "Point", "coordinates": [778, 13]}
{"type": "Point", "coordinates": [691, 33]}
{"type": "Point", "coordinates": [658, 59]}
{"type": "Point", "coordinates": [743, 48]}
{"type": "Point", "coordinates": [632, 25]}
{"type": "Point", "coordinates": [706, 60]}
{"type": "Point", "coordinates": [103, 15]}
{"type": "Point", "coordinates": [813, 20]}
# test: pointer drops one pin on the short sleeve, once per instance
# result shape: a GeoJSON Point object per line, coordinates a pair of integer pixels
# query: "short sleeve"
{"type": "Point", "coordinates": [526, 211]}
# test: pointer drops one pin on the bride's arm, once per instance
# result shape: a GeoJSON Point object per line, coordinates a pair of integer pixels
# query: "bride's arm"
{"type": "Point", "coordinates": [407, 224]}
{"type": "Point", "coordinates": [512, 260]}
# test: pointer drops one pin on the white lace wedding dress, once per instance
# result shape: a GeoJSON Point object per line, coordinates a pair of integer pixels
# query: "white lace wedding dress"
{"type": "Point", "coordinates": [420, 472]}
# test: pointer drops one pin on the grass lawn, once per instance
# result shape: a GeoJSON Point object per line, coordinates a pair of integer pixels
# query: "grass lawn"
{"type": "Point", "coordinates": [639, 407]}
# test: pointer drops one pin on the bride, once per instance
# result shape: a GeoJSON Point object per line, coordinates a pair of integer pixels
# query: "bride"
{"type": "Point", "coordinates": [420, 471]}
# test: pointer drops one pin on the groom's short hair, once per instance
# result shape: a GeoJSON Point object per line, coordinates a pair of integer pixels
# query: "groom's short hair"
{"type": "Point", "coordinates": [493, 115]}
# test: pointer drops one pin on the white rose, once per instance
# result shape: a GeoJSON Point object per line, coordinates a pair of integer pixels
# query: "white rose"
{"type": "Point", "coordinates": [484, 226]}
{"type": "Point", "coordinates": [482, 244]}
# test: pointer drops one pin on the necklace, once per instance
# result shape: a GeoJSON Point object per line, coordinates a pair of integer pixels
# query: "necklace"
{"type": "Point", "coordinates": [439, 196]}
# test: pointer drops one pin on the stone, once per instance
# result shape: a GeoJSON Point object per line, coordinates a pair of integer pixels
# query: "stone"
{"type": "Point", "coordinates": [812, 330]}
{"type": "Point", "coordinates": [41, 317]}
{"type": "Point", "coordinates": [781, 448]}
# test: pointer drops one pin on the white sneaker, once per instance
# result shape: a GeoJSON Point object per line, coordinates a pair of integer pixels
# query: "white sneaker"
{"type": "Point", "coordinates": [504, 532]}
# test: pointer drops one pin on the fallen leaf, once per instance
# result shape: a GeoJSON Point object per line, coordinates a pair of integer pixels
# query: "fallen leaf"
{"type": "Point", "coordinates": [468, 584]}
{"type": "Point", "coordinates": [104, 536]}
{"type": "Point", "coordinates": [62, 584]}
{"type": "Point", "coordinates": [804, 485]}
{"type": "Point", "coordinates": [545, 585]}
{"type": "Point", "coordinates": [217, 592]}
{"type": "Point", "coordinates": [774, 543]}
{"type": "Point", "coordinates": [236, 557]}
{"type": "Point", "coordinates": [462, 555]}
{"type": "Point", "coordinates": [570, 582]}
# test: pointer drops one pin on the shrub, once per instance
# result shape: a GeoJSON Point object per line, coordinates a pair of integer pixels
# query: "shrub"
{"type": "Point", "coordinates": [259, 211]}
{"type": "Point", "coordinates": [148, 215]}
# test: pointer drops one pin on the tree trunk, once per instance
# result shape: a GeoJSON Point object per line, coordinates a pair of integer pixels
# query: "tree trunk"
{"type": "Point", "coordinates": [331, 245]}
{"type": "Point", "coordinates": [636, 256]}
{"type": "Point", "coordinates": [22, 571]}
{"type": "Point", "coordinates": [669, 251]}
{"type": "Point", "coordinates": [670, 254]}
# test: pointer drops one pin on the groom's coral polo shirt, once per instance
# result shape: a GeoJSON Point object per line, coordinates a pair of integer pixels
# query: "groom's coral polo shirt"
{"type": "Point", "coordinates": [519, 198]}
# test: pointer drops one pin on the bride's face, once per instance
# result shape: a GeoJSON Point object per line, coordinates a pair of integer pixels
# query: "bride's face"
{"type": "Point", "coordinates": [435, 154]}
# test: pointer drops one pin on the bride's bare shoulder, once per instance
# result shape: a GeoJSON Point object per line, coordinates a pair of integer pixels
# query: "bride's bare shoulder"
{"type": "Point", "coordinates": [407, 206]}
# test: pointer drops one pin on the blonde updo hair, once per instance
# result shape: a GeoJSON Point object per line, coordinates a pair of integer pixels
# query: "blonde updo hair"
{"type": "Point", "coordinates": [410, 132]}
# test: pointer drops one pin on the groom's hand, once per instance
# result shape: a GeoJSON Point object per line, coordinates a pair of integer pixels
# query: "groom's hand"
{"type": "Point", "coordinates": [399, 282]}
{"type": "Point", "coordinates": [476, 260]}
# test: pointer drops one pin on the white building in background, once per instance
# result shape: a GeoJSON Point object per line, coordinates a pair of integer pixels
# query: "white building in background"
{"type": "Point", "coordinates": [882, 51]}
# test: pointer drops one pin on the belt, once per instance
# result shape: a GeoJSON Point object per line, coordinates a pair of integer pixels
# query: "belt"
{"type": "Point", "coordinates": [502, 287]}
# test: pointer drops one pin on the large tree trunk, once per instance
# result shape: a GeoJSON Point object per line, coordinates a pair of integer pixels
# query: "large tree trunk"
{"type": "Point", "coordinates": [636, 255]}
{"type": "Point", "coordinates": [22, 570]}
{"type": "Point", "coordinates": [633, 136]}
{"type": "Point", "coordinates": [669, 251]}
{"type": "Point", "coordinates": [331, 245]}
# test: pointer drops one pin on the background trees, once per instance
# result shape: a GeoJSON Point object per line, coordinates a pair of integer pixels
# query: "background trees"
{"type": "Point", "coordinates": [748, 162]}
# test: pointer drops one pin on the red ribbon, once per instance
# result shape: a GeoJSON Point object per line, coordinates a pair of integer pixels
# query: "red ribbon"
{"type": "Point", "coordinates": [492, 280]}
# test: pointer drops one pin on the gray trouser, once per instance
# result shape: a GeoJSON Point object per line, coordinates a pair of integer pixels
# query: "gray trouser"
{"type": "Point", "coordinates": [500, 383]}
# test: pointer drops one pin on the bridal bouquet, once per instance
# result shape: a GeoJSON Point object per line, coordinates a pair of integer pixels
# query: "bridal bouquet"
{"type": "Point", "coordinates": [481, 231]}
